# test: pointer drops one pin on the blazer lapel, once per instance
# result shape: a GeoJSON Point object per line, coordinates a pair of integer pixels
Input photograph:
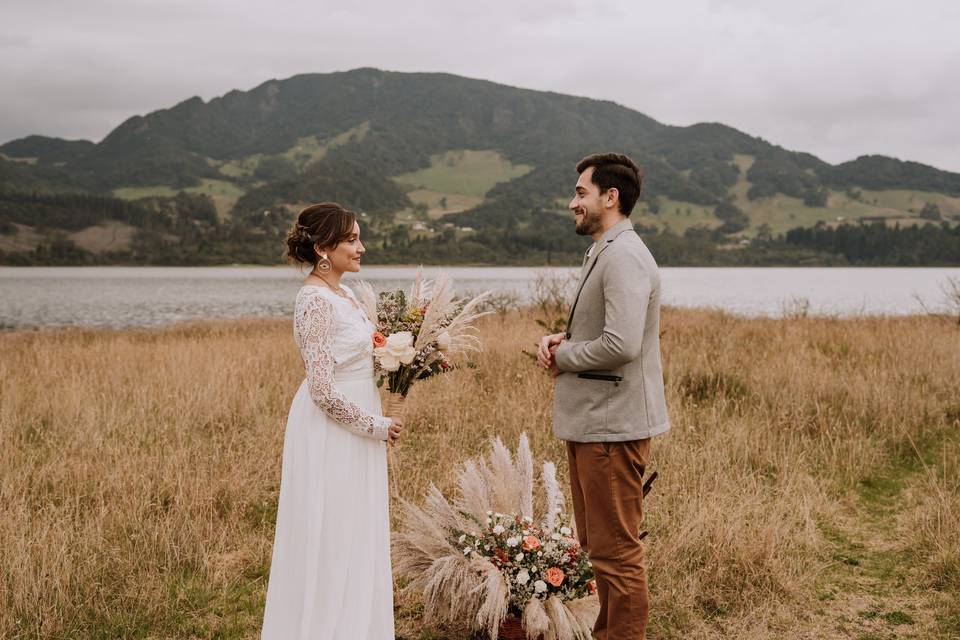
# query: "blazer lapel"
{"type": "Point", "coordinates": [587, 270]}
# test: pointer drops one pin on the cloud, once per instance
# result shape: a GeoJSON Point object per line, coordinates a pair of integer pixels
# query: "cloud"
{"type": "Point", "coordinates": [834, 79]}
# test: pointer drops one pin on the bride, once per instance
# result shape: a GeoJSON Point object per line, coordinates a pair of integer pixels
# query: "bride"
{"type": "Point", "coordinates": [330, 577]}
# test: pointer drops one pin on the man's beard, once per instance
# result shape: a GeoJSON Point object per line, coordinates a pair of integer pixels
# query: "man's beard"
{"type": "Point", "coordinates": [589, 225]}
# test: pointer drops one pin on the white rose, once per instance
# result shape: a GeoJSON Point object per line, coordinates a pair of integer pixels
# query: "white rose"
{"type": "Point", "coordinates": [523, 577]}
{"type": "Point", "coordinates": [467, 551]}
{"type": "Point", "coordinates": [398, 350]}
{"type": "Point", "coordinates": [556, 536]}
{"type": "Point", "coordinates": [514, 541]}
{"type": "Point", "coordinates": [444, 341]}
{"type": "Point", "coordinates": [519, 557]}
{"type": "Point", "coordinates": [462, 538]}
{"type": "Point", "coordinates": [400, 339]}
{"type": "Point", "coordinates": [539, 586]}
{"type": "Point", "coordinates": [387, 362]}
{"type": "Point", "coordinates": [566, 531]}
{"type": "Point", "coordinates": [497, 530]}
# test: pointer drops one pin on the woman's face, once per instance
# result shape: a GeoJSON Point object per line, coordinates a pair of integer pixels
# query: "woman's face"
{"type": "Point", "coordinates": [346, 256]}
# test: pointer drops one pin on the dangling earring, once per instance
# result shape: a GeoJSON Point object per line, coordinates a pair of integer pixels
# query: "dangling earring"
{"type": "Point", "coordinates": [323, 264]}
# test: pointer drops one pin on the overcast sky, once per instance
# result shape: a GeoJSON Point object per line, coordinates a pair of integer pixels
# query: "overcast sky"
{"type": "Point", "coordinates": [837, 78]}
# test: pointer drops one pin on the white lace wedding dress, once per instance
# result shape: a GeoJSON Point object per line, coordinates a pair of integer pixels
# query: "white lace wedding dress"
{"type": "Point", "coordinates": [330, 577]}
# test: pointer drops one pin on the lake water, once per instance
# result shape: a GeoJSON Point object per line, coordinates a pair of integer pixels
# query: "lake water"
{"type": "Point", "coordinates": [154, 296]}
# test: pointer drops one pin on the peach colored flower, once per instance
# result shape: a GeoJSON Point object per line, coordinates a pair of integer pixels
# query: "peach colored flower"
{"type": "Point", "coordinates": [379, 339]}
{"type": "Point", "coordinates": [555, 576]}
{"type": "Point", "coordinates": [592, 586]}
{"type": "Point", "coordinates": [530, 543]}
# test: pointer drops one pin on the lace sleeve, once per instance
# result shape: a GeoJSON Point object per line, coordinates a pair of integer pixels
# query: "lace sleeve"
{"type": "Point", "coordinates": [316, 338]}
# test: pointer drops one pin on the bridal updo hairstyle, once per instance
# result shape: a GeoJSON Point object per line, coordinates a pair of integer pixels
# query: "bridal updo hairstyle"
{"type": "Point", "coordinates": [615, 170]}
{"type": "Point", "coordinates": [325, 224]}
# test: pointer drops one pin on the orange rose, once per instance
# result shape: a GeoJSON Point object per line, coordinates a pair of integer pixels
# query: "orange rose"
{"type": "Point", "coordinates": [592, 586]}
{"type": "Point", "coordinates": [378, 339]}
{"type": "Point", "coordinates": [555, 576]}
{"type": "Point", "coordinates": [530, 543]}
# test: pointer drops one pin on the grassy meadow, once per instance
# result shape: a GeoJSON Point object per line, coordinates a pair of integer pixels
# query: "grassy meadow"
{"type": "Point", "coordinates": [224, 193]}
{"type": "Point", "coordinates": [809, 488]}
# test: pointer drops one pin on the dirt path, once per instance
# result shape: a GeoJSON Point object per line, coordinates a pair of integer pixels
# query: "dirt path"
{"type": "Point", "coordinates": [872, 590]}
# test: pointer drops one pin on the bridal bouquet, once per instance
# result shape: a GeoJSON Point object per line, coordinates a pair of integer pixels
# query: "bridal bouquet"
{"type": "Point", "coordinates": [484, 561]}
{"type": "Point", "coordinates": [418, 331]}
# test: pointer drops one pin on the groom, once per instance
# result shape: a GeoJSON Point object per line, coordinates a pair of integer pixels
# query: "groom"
{"type": "Point", "coordinates": [609, 400]}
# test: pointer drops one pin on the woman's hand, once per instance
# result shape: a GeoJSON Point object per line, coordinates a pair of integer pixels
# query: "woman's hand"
{"type": "Point", "coordinates": [396, 428]}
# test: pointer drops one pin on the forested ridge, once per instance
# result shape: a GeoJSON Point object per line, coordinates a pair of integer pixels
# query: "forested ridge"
{"type": "Point", "coordinates": [219, 182]}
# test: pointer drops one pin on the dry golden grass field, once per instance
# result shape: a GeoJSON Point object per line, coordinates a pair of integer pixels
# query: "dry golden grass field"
{"type": "Point", "coordinates": [809, 488]}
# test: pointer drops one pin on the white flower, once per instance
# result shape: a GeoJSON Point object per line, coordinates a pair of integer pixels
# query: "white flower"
{"type": "Point", "coordinates": [489, 513]}
{"type": "Point", "coordinates": [514, 541]}
{"type": "Point", "coordinates": [566, 531]}
{"type": "Point", "coordinates": [539, 586]}
{"type": "Point", "coordinates": [467, 551]}
{"type": "Point", "coordinates": [518, 557]}
{"type": "Point", "coordinates": [398, 350]}
{"type": "Point", "coordinates": [462, 538]}
{"type": "Point", "coordinates": [444, 341]}
{"type": "Point", "coordinates": [556, 536]}
{"type": "Point", "coordinates": [497, 530]}
{"type": "Point", "coordinates": [523, 577]}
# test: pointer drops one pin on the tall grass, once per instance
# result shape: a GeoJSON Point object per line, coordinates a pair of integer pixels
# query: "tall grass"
{"type": "Point", "coordinates": [139, 469]}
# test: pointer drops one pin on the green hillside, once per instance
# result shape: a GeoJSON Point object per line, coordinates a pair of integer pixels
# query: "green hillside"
{"type": "Point", "coordinates": [443, 168]}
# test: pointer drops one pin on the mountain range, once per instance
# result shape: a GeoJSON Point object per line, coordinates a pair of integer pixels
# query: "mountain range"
{"type": "Point", "coordinates": [443, 168]}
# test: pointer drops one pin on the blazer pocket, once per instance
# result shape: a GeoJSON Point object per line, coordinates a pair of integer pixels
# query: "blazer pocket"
{"type": "Point", "coordinates": [609, 377]}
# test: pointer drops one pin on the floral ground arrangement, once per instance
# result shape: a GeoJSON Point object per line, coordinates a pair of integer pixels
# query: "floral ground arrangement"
{"type": "Point", "coordinates": [809, 487]}
{"type": "Point", "coordinates": [484, 556]}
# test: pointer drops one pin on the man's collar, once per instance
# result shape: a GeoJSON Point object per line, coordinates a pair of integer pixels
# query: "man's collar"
{"type": "Point", "coordinates": [614, 231]}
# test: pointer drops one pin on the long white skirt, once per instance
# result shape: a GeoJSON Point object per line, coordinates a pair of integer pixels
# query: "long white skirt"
{"type": "Point", "coordinates": [330, 576]}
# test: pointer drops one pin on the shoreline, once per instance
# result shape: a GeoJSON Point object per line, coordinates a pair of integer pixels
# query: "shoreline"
{"type": "Point", "coordinates": [212, 322]}
{"type": "Point", "coordinates": [117, 297]}
{"type": "Point", "coordinates": [252, 265]}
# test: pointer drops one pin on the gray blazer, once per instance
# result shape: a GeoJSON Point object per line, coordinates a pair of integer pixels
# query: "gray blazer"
{"type": "Point", "coordinates": [611, 388]}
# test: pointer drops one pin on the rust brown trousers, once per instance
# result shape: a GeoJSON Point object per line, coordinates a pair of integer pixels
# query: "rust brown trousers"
{"type": "Point", "coordinates": [606, 479]}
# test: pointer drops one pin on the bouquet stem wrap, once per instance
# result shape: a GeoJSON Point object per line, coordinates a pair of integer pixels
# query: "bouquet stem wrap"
{"type": "Point", "coordinates": [395, 405]}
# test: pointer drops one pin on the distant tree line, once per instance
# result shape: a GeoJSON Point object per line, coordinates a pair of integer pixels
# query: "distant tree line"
{"type": "Point", "coordinates": [879, 244]}
{"type": "Point", "coordinates": [184, 231]}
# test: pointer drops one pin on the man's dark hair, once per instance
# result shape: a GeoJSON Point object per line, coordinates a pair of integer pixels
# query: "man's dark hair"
{"type": "Point", "coordinates": [615, 170]}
